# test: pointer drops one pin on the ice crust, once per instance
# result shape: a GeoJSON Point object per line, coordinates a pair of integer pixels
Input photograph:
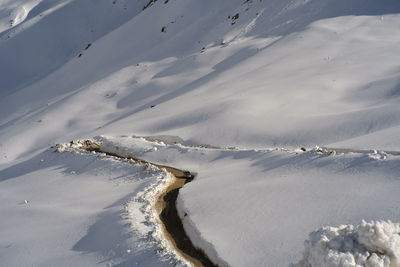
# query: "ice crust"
{"type": "Point", "coordinates": [371, 244]}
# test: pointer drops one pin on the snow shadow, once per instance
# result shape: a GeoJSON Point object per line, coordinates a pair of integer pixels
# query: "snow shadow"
{"type": "Point", "coordinates": [112, 237]}
{"type": "Point", "coordinates": [236, 59]}
{"type": "Point", "coordinates": [67, 163]}
{"type": "Point", "coordinates": [108, 235]}
{"type": "Point", "coordinates": [53, 39]}
{"type": "Point", "coordinates": [22, 64]}
{"type": "Point", "coordinates": [352, 162]}
{"type": "Point", "coordinates": [380, 90]}
{"type": "Point", "coordinates": [286, 17]}
{"type": "Point", "coordinates": [46, 159]}
{"type": "Point", "coordinates": [24, 167]}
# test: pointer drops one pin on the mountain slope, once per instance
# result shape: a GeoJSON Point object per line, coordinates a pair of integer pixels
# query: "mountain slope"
{"type": "Point", "coordinates": [248, 75]}
{"type": "Point", "coordinates": [270, 76]}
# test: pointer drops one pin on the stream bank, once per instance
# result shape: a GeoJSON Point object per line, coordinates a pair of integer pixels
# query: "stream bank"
{"type": "Point", "coordinates": [165, 207]}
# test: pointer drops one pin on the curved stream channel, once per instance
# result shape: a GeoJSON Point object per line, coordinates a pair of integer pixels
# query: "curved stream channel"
{"type": "Point", "coordinates": [166, 208]}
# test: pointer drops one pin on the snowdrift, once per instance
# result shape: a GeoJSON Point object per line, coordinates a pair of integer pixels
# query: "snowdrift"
{"type": "Point", "coordinates": [369, 244]}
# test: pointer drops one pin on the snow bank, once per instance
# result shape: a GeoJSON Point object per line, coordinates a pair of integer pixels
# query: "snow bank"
{"type": "Point", "coordinates": [198, 240]}
{"type": "Point", "coordinates": [369, 244]}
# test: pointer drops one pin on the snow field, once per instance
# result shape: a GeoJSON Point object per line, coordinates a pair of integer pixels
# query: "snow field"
{"type": "Point", "coordinates": [256, 207]}
{"type": "Point", "coordinates": [321, 79]}
{"type": "Point", "coordinates": [93, 209]}
{"type": "Point", "coordinates": [228, 73]}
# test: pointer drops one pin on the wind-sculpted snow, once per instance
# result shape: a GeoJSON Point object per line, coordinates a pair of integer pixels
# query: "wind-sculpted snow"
{"type": "Point", "coordinates": [376, 244]}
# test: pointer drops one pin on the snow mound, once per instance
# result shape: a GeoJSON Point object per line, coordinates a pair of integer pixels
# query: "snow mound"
{"type": "Point", "coordinates": [367, 244]}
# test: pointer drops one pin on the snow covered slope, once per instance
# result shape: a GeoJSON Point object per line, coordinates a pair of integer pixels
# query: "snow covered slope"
{"type": "Point", "coordinates": [14, 12]}
{"type": "Point", "coordinates": [283, 73]}
{"type": "Point", "coordinates": [227, 73]}
{"type": "Point", "coordinates": [47, 34]}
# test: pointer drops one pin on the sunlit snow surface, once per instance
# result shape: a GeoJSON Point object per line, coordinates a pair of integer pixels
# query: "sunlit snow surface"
{"type": "Point", "coordinates": [292, 73]}
{"type": "Point", "coordinates": [289, 73]}
{"type": "Point", "coordinates": [78, 209]}
{"type": "Point", "coordinates": [368, 244]}
{"type": "Point", "coordinates": [257, 207]}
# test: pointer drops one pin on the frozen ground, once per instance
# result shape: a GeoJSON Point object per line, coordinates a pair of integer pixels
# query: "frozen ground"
{"type": "Point", "coordinates": [227, 73]}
